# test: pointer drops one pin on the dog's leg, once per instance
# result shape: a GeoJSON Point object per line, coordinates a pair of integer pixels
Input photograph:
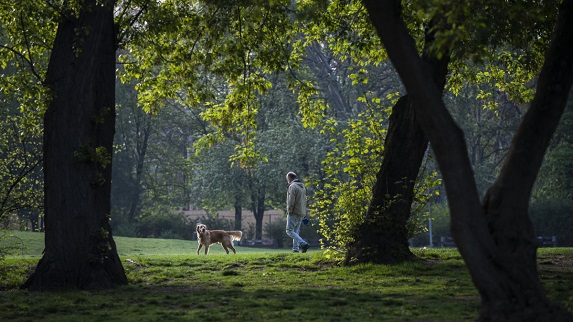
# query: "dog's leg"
{"type": "Point", "coordinates": [233, 248]}
{"type": "Point", "coordinates": [225, 247]}
{"type": "Point", "coordinates": [206, 249]}
{"type": "Point", "coordinates": [199, 248]}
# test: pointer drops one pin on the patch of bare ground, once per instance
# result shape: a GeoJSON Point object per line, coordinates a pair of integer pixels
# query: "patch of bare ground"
{"type": "Point", "coordinates": [556, 263]}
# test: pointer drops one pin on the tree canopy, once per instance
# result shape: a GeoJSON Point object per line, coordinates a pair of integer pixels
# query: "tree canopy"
{"type": "Point", "coordinates": [233, 94]}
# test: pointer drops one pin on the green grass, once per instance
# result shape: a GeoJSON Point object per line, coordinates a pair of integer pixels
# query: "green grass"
{"type": "Point", "coordinates": [169, 282]}
{"type": "Point", "coordinates": [31, 245]}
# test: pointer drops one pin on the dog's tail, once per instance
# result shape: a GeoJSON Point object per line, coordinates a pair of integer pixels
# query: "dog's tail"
{"type": "Point", "coordinates": [235, 234]}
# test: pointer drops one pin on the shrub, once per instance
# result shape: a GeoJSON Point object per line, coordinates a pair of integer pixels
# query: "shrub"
{"type": "Point", "coordinates": [167, 225]}
{"type": "Point", "coordinates": [249, 233]}
{"type": "Point", "coordinates": [553, 218]}
{"type": "Point", "coordinates": [276, 232]}
{"type": "Point", "coordinates": [212, 223]}
{"type": "Point", "coordinates": [9, 244]}
{"type": "Point", "coordinates": [440, 215]}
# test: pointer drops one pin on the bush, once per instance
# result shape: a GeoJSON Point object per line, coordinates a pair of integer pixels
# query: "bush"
{"type": "Point", "coordinates": [249, 233]}
{"type": "Point", "coordinates": [124, 230]}
{"type": "Point", "coordinates": [168, 225]}
{"type": "Point", "coordinates": [214, 223]}
{"type": "Point", "coordinates": [549, 218]}
{"type": "Point", "coordinates": [440, 215]}
{"type": "Point", "coordinates": [168, 234]}
{"type": "Point", "coordinates": [276, 232]}
{"type": "Point", "coordinates": [553, 218]}
{"type": "Point", "coordinates": [9, 244]}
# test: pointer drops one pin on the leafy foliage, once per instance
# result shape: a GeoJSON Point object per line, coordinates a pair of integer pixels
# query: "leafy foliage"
{"type": "Point", "coordinates": [20, 164]}
{"type": "Point", "coordinates": [195, 43]}
{"type": "Point", "coordinates": [551, 205]}
{"type": "Point", "coordinates": [222, 83]}
{"type": "Point", "coordinates": [556, 176]}
{"type": "Point", "coordinates": [164, 225]}
{"type": "Point", "coordinates": [24, 34]}
{"type": "Point", "coordinates": [350, 169]}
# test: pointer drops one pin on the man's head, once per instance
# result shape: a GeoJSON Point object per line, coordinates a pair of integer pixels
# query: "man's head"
{"type": "Point", "coordinates": [290, 177]}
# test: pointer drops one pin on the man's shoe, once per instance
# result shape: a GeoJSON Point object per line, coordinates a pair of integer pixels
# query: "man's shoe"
{"type": "Point", "coordinates": [305, 247]}
{"type": "Point", "coordinates": [295, 251]}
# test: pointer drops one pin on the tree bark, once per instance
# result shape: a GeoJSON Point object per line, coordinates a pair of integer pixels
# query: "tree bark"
{"type": "Point", "coordinates": [383, 237]}
{"type": "Point", "coordinates": [515, 292]}
{"type": "Point", "coordinates": [496, 240]}
{"type": "Point", "coordinates": [140, 154]}
{"type": "Point", "coordinates": [323, 71]}
{"type": "Point", "coordinates": [79, 125]}
{"type": "Point", "coordinates": [258, 208]}
{"type": "Point", "coordinates": [238, 211]}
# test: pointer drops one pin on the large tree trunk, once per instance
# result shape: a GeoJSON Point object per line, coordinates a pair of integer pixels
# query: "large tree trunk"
{"type": "Point", "coordinates": [78, 135]}
{"type": "Point", "coordinates": [383, 237]}
{"type": "Point", "coordinates": [496, 241]}
{"type": "Point", "coordinates": [514, 291]}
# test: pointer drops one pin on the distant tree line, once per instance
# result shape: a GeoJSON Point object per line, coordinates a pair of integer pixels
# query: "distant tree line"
{"type": "Point", "coordinates": [219, 99]}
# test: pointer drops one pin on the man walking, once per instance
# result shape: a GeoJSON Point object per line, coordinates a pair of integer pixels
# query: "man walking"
{"type": "Point", "coordinates": [296, 210]}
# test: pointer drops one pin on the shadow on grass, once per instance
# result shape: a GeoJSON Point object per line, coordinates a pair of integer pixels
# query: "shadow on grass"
{"type": "Point", "coordinates": [279, 287]}
{"type": "Point", "coordinates": [184, 303]}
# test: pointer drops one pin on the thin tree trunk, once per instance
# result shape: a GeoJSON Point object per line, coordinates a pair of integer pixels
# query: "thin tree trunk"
{"type": "Point", "coordinates": [258, 202]}
{"type": "Point", "coordinates": [238, 212]}
{"type": "Point", "coordinates": [141, 153]}
{"type": "Point", "coordinates": [78, 136]}
{"type": "Point", "coordinates": [496, 241]}
{"type": "Point", "coordinates": [383, 237]}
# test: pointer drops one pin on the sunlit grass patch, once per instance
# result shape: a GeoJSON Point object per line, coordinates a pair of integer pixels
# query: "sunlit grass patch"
{"type": "Point", "coordinates": [272, 286]}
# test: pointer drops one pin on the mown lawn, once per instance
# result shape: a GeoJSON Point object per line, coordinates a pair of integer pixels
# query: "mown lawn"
{"type": "Point", "coordinates": [169, 282]}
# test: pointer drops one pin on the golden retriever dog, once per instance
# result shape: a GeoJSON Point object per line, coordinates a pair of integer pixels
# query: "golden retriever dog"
{"type": "Point", "coordinates": [207, 237]}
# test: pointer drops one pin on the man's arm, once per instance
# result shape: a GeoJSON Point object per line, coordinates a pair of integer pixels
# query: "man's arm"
{"type": "Point", "coordinates": [291, 199]}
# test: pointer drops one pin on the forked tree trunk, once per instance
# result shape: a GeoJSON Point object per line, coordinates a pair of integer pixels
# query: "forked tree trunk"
{"type": "Point", "coordinates": [515, 292]}
{"type": "Point", "coordinates": [79, 126]}
{"type": "Point", "coordinates": [383, 237]}
{"type": "Point", "coordinates": [496, 240]}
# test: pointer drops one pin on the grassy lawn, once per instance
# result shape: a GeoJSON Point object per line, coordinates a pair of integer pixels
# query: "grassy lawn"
{"type": "Point", "coordinates": [169, 282]}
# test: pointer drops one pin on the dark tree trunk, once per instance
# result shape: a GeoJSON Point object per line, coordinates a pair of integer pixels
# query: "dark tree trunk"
{"type": "Point", "coordinates": [496, 240]}
{"type": "Point", "coordinates": [383, 237]}
{"type": "Point", "coordinates": [258, 205]}
{"type": "Point", "coordinates": [79, 125]}
{"type": "Point", "coordinates": [514, 291]}
{"type": "Point", "coordinates": [260, 215]}
{"type": "Point", "coordinates": [141, 152]}
{"type": "Point", "coordinates": [238, 212]}
{"type": "Point", "coordinates": [259, 225]}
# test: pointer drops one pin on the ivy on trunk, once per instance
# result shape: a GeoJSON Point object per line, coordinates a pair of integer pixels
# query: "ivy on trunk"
{"type": "Point", "coordinates": [79, 126]}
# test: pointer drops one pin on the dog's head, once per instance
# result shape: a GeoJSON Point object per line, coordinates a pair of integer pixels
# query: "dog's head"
{"type": "Point", "coordinates": [201, 229]}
